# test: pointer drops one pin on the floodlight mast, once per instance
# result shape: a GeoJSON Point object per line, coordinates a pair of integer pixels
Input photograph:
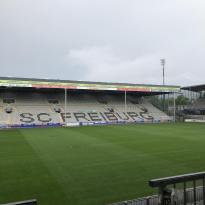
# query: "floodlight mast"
{"type": "Point", "coordinates": [163, 79]}
{"type": "Point", "coordinates": [163, 66]}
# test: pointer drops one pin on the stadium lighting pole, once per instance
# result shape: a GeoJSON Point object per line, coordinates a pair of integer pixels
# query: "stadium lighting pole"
{"type": "Point", "coordinates": [163, 65]}
{"type": "Point", "coordinates": [163, 79]}
{"type": "Point", "coordinates": [65, 109]}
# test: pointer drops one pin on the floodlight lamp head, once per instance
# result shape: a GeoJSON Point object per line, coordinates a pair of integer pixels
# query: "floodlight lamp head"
{"type": "Point", "coordinates": [162, 61]}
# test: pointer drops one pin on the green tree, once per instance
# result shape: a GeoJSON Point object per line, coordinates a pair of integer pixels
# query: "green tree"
{"type": "Point", "coordinates": [182, 100]}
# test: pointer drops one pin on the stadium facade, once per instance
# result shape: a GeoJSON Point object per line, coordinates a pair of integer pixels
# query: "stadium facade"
{"type": "Point", "coordinates": [29, 102]}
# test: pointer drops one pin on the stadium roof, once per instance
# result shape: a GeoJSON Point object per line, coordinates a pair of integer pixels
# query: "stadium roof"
{"type": "Point", "coordinates": [195, 88]}
{"type": "Point", "coordinates": [84, 85]}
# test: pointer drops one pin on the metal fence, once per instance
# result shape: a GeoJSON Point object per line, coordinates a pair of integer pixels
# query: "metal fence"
{"type": "Point", "coordinates": [151, 200]}
{"type": "Point", "coordinates": [178, 198]}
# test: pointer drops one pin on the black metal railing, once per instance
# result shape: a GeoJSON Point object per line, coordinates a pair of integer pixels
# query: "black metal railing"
{"type": "Point", "coordinates": [186, 189]}
{"type": "Point", "coordinates": [168, 195]}
{"type": "Point", "coordinates": [28, 202]}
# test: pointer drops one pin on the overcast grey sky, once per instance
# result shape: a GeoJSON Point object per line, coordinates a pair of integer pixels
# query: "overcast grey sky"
{"type": "Point", "coordinates": [104, 40]}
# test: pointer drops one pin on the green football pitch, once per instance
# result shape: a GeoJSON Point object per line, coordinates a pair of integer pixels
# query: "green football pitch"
{"type": "Point", "coordinates": [95, 165]}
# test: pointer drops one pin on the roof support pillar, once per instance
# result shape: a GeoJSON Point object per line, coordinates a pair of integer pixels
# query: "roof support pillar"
{"type": "Point", "coordinates": [125, 101]}
{"type": "Point", "coordinates": [65, 106]}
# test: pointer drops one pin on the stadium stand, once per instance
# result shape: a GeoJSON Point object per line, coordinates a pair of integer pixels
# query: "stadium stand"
{"type": "Point", "coordinates": [31, 102]}
{"type": "Point", "coordinates": [196, 110]}
{"type": "Point", "coordinates": [35, 107]}
{"type": "Point", "coordinates": [199, 104]}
